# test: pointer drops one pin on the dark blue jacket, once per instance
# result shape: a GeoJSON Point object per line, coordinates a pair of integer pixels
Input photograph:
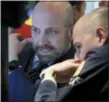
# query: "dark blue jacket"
{"type": "Point", "coordinates": [20, 88]}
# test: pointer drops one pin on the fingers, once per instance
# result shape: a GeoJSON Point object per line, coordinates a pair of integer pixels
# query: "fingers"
{"type": "Point", "coordinates": [48, 71]}
{"type": "Point", "coordinates": [70, 60]}
{"type": "Point", "coordinates": [24, 42]}
{"type": "Point", "coordinates": [66, 65]}
{"type": "Point", "coordinates": [15, 35]}
{"type": "Point", "coordinates": [20, 38]}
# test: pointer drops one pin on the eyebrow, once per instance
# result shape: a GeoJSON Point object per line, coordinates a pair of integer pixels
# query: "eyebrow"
{"type": "Point", "coordinates": [77, 44]}
{"type": "Point", "coordinates": [47, 28]}
{"type": "Point", "coordinates": [53, 28]}
{"type": "Point", "coordinates": [33, 26]}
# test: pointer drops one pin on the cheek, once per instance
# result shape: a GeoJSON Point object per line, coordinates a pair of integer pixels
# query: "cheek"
{"type": "Point", "coordinates": [34, 37]}
{"type": "Point", "coordinates": [53, 40]}
{"type": "Point", "coordinates": [56, 41]}
{"type": "Point", "coordinates": [64, 42]}
{"type": "Point", "coordinates": [86, 46]}
{"type": "Point", "coordinates": [35, 41]}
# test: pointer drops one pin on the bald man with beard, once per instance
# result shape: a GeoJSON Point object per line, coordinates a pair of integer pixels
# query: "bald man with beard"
{"type": "Point", "coordinates": [51, 43]}
{"type": "Point", "coordinates": [51, 31]}
{"type": "Point", "coordinates": [88, 79]}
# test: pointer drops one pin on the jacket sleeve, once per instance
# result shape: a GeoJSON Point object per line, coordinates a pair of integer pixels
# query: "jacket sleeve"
{"type": "Point", "coordinates": [46, 92]}
{"type": "Point", "coordinates": [20, 88]}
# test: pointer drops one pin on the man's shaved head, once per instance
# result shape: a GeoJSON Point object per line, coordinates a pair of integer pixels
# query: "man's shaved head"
{"type": "Point", "coordinates": [98, 17]}
{"type": "Point", "coordinates": [91, 30]}
{"type": "Point", "coordinates": [63, 10]}
{"type": "Point", "coordinates": [51, 29]}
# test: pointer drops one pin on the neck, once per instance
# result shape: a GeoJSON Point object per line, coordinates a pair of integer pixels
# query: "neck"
{"type": "Point", "coordinates": [68, 55]}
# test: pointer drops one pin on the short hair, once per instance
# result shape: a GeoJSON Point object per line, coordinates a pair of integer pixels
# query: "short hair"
{"type": "Point", "coordinates": [100, 15]}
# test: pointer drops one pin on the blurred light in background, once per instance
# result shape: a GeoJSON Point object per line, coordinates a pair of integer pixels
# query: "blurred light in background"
{"type": "Point", "coordinates": [30, 11]}
{"type": "Point", "coordinates": [90, 5]}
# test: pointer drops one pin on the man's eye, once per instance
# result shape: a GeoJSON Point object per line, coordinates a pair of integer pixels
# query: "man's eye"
{"type": "Point", "coordinates": [35, 30]}
{"type": "Point", "coordinates": [51, 31]}
{"type": "Point", "coordinates": [78, 48]}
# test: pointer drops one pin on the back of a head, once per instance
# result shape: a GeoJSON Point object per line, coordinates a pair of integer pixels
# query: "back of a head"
{"type": "Point", "coordinates": [98, 17]}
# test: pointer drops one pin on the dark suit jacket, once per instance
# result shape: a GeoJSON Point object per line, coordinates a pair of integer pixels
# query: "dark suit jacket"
{"type": "Point", "coordinates": [21, 86]}
{"type": "Point", "coordinates": [94, 84]}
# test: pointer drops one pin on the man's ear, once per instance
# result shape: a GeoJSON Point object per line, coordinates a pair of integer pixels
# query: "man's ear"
{"type": "Point", "coordinates": [102, 34]}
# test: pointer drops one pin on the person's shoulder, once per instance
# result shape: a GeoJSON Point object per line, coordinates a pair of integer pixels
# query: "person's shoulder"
{"type": "Point", "coordinates": [26, 53]}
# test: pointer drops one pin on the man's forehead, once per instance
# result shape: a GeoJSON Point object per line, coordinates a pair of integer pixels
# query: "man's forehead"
{"type": "Point", "coordinates": [78, 33]}
{"type": "Point", "coordinates": [77, 30]}
{"type": "Point", "coordinates": [76, 37]}
{"type": "Point", "coordinates": [48, 26]}
{"type": "Point", "coordinates": [49, 11]}
{"type": "Point", "coordinates": [47, 18]}
{"type": "Point", "coordinates": [81, 26]}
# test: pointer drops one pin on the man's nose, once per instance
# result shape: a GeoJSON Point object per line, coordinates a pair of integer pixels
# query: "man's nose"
{"type": "Point", "coordinates": [77, 58]}
{"type": "Point", "coordinates": [43, 40]}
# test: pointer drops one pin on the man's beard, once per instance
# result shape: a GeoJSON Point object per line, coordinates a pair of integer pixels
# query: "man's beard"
{"type": "Point", "coordinates": [44, 47]}
{"type": "Point", "coordinates": [46, 57]}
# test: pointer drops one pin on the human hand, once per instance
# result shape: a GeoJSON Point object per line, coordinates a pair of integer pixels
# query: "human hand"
{"type": "Point", "coordinates": [63, 71]}
{"type": "Point", "coordinates": [16, 45]}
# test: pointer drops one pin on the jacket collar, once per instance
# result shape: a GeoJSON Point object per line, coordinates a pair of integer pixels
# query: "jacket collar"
{"type": "Point", "coordinates": [101, 52]}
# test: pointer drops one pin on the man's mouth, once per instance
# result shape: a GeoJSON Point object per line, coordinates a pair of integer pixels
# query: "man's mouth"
{"type": "Point", "coordinates": [44, 51]}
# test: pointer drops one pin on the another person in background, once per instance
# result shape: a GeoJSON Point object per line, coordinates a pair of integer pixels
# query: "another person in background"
{"type": "Point", "coordinates": [79, 9]}
{"type": "Point", "coordinates": [90, 77]}
{"type": "Point", "coordinates": [103, 3]}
